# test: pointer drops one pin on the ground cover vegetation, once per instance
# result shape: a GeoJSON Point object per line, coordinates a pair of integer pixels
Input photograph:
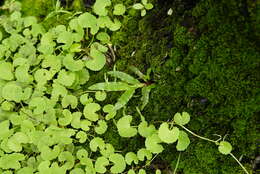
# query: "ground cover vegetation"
{"type": "Point", "coordinates": [69, 105]}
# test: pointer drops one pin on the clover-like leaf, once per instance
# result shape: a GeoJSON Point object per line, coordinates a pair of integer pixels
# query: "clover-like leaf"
{"type": "Point", "coordinates": [183, 141]}
{"type": "Point", "coordinates": [144, 130]}
{"type": "Point", "coordinates": [152, 144]}
{"type": "Point", "coordinates": [100, 7]}
{"type": "Point", "coordinates": [87, 20]}
{"type": "Point", "coordinates": [66, 38]}
{"type": "Point", "coordinates": [124, 127]}
{"type": "Point", "coordinates": [82, 155]}
{"type": "Point", "coordinates": [84, 125]}
{"type": "Point", "coordinates": [182, 119]}
{"type": "Point", "coordinates": [102, 127]}
{"type": "Point", "coordinates": [75, 122]}
{"type": "Point", "coordinates": [119, 163]}
{"type": "Point", "coordinates": [141, 171]}
{"type": "Point", "coordinates": [225, 147]}
{"type": "Point", "coordinates": [14, 143]}
{"type": "Point", "coordinates": [107, 150]}
{"type": "Point", "coordinates": [96, 61]}
{"type": "Point", "coordinates": [11, 161]}
{"type": "Point", "coordinates": [167, 135]}
{"type": "Point", "coordinates": [142, 153]}
{"type": "Point", "coordinates": [138, 6]}
{"type": "Point", "coordinates": [119, 9]}
{"type": "Point", "coordinates": [66, 120]}
{"type": "Point", "coordinates": [100, 95]}
{"type": "Point", "coordinates": [71, 64]}
{"type": "Point", "coordinates": [12, 92]}
{"type": "Point", "coordinates": [100, 164]}
{"type": "Point", "coordinates": [131, 157]}
{"type": "Point", "coordinates": [82, 136]}
{"type": "Point", "coordinates": [85, 99]}
{"type": "Point", "coordinates": [69, 100]}
{"type": "Point", "coordinates": [131, 171]}
{"type": "Point", "coordinates": [103, 37]}
{"type": "Point", "coordinates": [48, 153]}
{"type": "Point", "coordinates": [6, 70]}
{"type": "Point", "coordinates": [68, 158]}
{"type": "Point", "coordinates": [90, 110]}
{"type": "Point", "coordinates": [110, 110]}
{"type": "Point", "coordinates": [5, 131]}
{"type": "Point", "coordinates": [95, 143]}
{"type": "Point", "coordinates": [66, 78]}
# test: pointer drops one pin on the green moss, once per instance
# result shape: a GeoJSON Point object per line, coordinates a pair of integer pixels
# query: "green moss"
{"type": "Point", "coordinates": [204, 60]}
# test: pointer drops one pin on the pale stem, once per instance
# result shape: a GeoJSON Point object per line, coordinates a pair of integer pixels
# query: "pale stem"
{"type": "Point", "coordinates": [233, 156]}
{"type": "Point", "coordinates": [213, 141]}
{"type": "Point", "coordinates": [177, 164]}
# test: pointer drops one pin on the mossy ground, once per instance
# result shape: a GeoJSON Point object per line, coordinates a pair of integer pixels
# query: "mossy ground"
{"type": "Point", "coordinates": [204, 60]}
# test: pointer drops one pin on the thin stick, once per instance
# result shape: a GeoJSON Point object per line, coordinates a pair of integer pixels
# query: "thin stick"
{"type": "Point", "coordinates": [177, 164]}
{"type": "Point", "coordinates": [213, 141]}
{"type": "Point", "coordinates": [233, 156]}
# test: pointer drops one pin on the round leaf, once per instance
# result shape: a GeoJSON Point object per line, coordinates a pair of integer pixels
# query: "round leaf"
{"type": "Point", "coordinates": [166, 135]}
{"type": "Point", "coordinates": [225, 147]}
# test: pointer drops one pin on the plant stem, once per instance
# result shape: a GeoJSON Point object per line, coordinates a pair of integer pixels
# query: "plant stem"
{"type": "Point", "coordinates": [233, 156]}
{"type": "Point", "coordinates": [177, 164]}
{"type": "Point", "coordinates": [213, 141]}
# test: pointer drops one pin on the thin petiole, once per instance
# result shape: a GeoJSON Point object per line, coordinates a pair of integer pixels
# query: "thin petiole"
{"type": "Point", "coordinates": [233, 156]}
{"type": "Point", "coordinates": [177, 164]}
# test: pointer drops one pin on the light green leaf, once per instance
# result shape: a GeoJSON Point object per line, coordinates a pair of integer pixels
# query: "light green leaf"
{"type": "Point", "coordinates": [183, 141]}
{"type": "Point", "coordinates": [167, 135]}
{"type": "Point", "coordinates": [182, 119]}
{"type": "Point", "coordinates": [22, 75]}
{"type": "Point", "coordinates": [29, 21]}
{"type": "Point", "coordinates": [225, 147]}
{"type": "Point", "coordinates": [158, 171]}
{"type": "Point", "coordinates": [138, 6]}
{"type": "Point", "coordinates": [53, 62]}
{"type": "Point", "coordinates": [14, 143]}
{"type": "Point", "coordinates": [95, 143]}
{"type": "Point", "coordinates": [111, 86]}
{"type": "Point", "coordinates": [103, 37]}
{"type": "Point", "coordinates": [119, 163]}
{"type": "Point", "coordinates": [71, 64]}
{"type": "Point", "coordinates": [85, 99]}
{"type": "Point", "coordinates": [124, 127]}
{"type": "Point", "coordinates": [66, 120]}
{"type": "Point", "coordinates": [148, 6]}
{"type": "Point", "coordinates": [84, 125]}
{"type": "Point", "coordinates": [82, 155]}
{"type": "Point", "coordinates": [90, 110]}
{"type": "Point", "coordinates": [11, 161]}
{"type": "Point", "coordinates": [48, 153]}
{"type": "Point", "coordinates": [87, 20]}
{"type": "Point", "coordinates": [119, 9]}
{"type": "Point", "coordinates": [97, 60]}
{"type": "Point", "coordinates": [5, 132]}
{"type": "Point", "coordinates": [100, 7]}
{"type": "Point", "coordinates": [124, 77]}
{"type": "Point", "coordinates": [145, 130]}
{"type": "Point", "coordinates": [100, 95]}
{"type": "Point", "coordinates": [107, 150]}
{"type": "Point", "coordinates": [6, 71]}
{"type": "Point", "coordinates": [82, 136]}
{"type": "Point", "coordinates": [101, 128]}
{"type": "Point", "coordinates": [69, 100]}
{"type": "Point", "coordinates": [141, 171]}
{"type": "Point", "coordinates": [143, 12]}
{"type": "Point", "coordinates": [152, 144]}
{"type": "Point", "coordinates": [100, 164]}
{"type": "Point", "coordinates": [75, 123]}
{"type": "Point", "coordinates": [131, 171]}
{"type": "Point", "coordinates": [142, 153]}
{"type": "Point", "coordinates": [124, 98]}
{"type": "Point", "coordinates": [12, 92]}
{"type": "Point", "coordinates": [66, 78]}
{"type": "Point", "coordinates": [68, 158]}
{"type": "Point", "coordinates": [131, 157]}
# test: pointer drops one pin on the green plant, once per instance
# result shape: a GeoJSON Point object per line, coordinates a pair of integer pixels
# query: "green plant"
{"type": "Point", "coordinates": [49, 123]}
{"type": "Point", "coordinates": [143, 6]}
